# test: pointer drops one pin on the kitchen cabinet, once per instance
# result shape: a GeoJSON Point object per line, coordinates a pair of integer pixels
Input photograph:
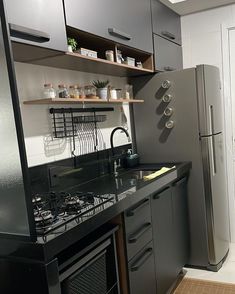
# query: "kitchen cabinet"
{"type": "Point", "coordinates": [126, 22]}
{"type": "Point", "coordinates": [180, 216]}
{"type": "Point", "coordinates": [166, 23]}
{"type": "Point", "coordinates": [39, 23]}
{"type": "Point", "coordinates": [167, 55]}
{"type": "Point", "coordinates": [170, 233]}
{"type": "Point", "coordinates": [163, 238]}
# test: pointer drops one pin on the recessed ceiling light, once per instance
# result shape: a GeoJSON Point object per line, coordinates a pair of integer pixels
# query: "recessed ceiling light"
{"type": "Point", "coordinates": [176, 1]}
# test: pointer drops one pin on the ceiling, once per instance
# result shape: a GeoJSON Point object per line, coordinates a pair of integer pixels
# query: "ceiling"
{"type": "Point", "coordinates": [191, 6]}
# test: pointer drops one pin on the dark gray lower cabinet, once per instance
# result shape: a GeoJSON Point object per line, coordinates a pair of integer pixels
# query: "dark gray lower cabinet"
{"type": "Point", "coordinates": [163, 232]}
{"type": "Point", "coordinates": [142, 272]}
{"type": "Point", "coordinates": [168, 55]}
{"type": "Point", "coordinates": [180, 216]}
{"type": "Point", "coordinates": [170, 233]}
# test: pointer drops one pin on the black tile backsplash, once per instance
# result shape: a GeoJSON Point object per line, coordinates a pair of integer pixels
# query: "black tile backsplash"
{"type": "Point", "coordinates": [64, 174]}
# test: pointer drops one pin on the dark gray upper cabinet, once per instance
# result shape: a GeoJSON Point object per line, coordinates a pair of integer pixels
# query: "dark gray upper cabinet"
{"type": "Point", "coordinates": [126, 22]}
{"type": "Point", "coordinates": [37, 21]}
{"type": "Point", "coordinates": [167, 55]}
{"type": "Point", "coordinates": [166, 22]}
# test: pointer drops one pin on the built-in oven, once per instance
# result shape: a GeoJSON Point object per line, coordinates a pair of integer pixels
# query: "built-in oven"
{"type": "Point", "coordinates": [92, 271]}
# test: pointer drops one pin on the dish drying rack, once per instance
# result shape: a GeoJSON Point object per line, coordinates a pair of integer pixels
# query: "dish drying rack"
{"type": "Point", "coordinates": [83, 129]}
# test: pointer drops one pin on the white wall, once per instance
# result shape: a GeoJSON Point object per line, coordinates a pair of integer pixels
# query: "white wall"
{"type": "Point", "coordinates": [203, 44]}
{"type": "Point", "coordinates": [201, 36]}
{"type": "Point", "coordinates": [40, 146]}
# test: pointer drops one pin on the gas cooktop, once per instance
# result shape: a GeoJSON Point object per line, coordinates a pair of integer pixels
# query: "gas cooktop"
{"type": "Point", "coordinates": [53, 211]}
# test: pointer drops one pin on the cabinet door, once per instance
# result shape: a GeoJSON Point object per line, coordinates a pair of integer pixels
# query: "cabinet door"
{"type": "Point", "coordinates": [168, 55]}
{"type": "Point", "coordinates": [142, 272]}
{"type": "Point", "coordinates": [126, 22]}
{"type": "Point", "coordinates": [181, 229]}
{"type": "Point", "coordinates": [163, 237]}
{"type": "Point", "coordinates": [39, 18]}
{"type": "Point", "coordinates": [166, 22]}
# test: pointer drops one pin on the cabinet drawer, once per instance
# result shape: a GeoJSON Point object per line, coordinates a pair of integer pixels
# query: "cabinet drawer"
{"type": "Point", "coordinates": [136, 240]}
{"type": "Point", "coordinates": [142, 272]}
{"type": "Point", "coordinates": [137, 215]}
{"type": "Point", "coordinates": [168, 55]}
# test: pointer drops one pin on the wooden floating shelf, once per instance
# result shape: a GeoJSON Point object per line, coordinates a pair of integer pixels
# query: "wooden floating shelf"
{"type": "Point", "coordinates": [74, 61]}
{"type": "Point", "coordinates": [76, 101]}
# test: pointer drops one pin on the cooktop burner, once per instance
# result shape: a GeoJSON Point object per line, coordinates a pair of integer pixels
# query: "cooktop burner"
{"type": "Point", "coordinates": [55, 210]}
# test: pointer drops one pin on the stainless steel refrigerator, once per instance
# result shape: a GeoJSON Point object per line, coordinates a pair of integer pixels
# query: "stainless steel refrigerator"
{"type": "Point", "coordinates": [181, 120]}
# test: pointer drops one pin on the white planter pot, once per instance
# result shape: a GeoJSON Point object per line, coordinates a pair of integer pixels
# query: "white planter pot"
{"type": "Point", "coordinates": [70, 49]}
{"type": "Point", "coordinates": [102, 93]}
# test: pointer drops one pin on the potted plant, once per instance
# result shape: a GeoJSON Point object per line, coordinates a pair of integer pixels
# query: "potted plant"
{"type": "Point", "coordinates": [101, 88]}
{"type": "Point", "coordinates": [72, 44]}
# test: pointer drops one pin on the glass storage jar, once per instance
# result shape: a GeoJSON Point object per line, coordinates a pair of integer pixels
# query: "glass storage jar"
{"type": "Point", "coordinates": [128, 92]}
{"type": "Point", "coordinates": [63, 91]}
{"type": "Point", "coordinates": [49, 91]}
{"type": "Point", "coordinates": [74, 92]}
{"type": "Point", "coordinates": [90, 91]}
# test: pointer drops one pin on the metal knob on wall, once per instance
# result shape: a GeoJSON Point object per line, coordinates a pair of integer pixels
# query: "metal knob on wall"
{"type": "Point", "coordinates": [167, 98]}
{"type": "Point", "coordinates": [166, 84]}
{"type": "Point", "coordinates": [168, 111]}
{"type": "Point", "coordinates": [170, 124]}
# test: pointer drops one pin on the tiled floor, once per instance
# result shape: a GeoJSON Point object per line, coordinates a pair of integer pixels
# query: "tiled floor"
{"type": "Point", "coordinates": [226, 274]}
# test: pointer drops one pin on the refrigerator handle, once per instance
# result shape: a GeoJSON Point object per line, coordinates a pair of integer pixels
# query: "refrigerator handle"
{"type": "Point", "coordinates": [211, 116]}
{"type": "Point", "coordinates": [212, 139]}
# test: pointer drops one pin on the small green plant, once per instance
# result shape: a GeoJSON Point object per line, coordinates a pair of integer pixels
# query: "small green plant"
{"type": "Point", "coordinates": [73, 43]}
{"type": "Point", "coordinates": [100, 84]}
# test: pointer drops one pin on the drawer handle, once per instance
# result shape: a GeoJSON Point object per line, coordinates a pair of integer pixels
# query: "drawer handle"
{"type": "Point", "coordinates": [136, 209]}
{"type": "Point", "coordinates": [119, 34]}
{"type": "Point", "coordinates": [158, 194]}
{"type": "Point", "coordinates": [135, 237]}
{"type": "Point", "coordinates": [169, 68]}
{"type": "Point", "coordinates": [168, 35]}
{"type": "Point", "coordinates": [143, 258]}
{"type": "Point", "coordinates": [179, 182]}
{"type": "Point", "coordinates": [28, 34]}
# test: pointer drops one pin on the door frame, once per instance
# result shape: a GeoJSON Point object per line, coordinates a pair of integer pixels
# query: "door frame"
{"type": "Point", "coordinates": [229, 122]}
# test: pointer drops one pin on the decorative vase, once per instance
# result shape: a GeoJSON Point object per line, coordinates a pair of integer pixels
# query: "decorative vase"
{"type": "Point", "coordinates": [102, 93]}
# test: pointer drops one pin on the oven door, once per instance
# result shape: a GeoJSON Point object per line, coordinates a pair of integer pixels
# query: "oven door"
{"type": "Point", "coordinates": [91, 273]}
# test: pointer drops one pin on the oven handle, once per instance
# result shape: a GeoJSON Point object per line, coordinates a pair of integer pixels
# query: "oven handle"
{"type": "Point", "coordinates": [90, 257]}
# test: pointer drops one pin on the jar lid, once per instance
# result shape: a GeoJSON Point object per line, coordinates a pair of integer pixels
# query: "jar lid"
{"type": "Point", "coordinates": [62, 86]}
{"type": "Point", "coordinates": [48, 85]}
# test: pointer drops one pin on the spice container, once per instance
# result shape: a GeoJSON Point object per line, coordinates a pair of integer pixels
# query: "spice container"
{"type": "Point", "coordinates": [113, 93]}
{"type": "Point", "coordinates": [81, 92]}
{"type": "Point", "coordinates": [128, 92]}
{"type": "Point", "coordinates": [90, 91]}
{"type": "Point", "coordinates": [63, 91]}
{"type": "Point", "coordinates": [109, 55]}
{"type": "Point", "coordinates": [73, 92]}
{"type": "Point", "coordinates": [139, 64]}
{"type": "Point", "coordinates": [119, 93]}
{"type": "Point", "coordinates": [49, 91]}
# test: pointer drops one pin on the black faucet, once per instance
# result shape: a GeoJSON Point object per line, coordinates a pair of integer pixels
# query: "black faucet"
{"type": "Point", "coordinates": [116, 161]}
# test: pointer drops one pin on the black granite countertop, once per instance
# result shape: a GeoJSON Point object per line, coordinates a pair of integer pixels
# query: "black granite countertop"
{"type": "Point", "coordinates": [124, 191]}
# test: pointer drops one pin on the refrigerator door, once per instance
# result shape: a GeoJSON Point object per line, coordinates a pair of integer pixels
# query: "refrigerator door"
{"type": "Point", "coordinates": [209, 100]}
{"type": "Point", "coordinates": [216, 198]}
